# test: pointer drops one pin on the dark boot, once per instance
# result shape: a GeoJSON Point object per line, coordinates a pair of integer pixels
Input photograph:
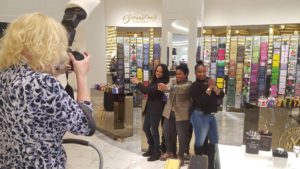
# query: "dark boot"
{"type": "Point", "coordinates": [199, 150]}
{"type": "Point", "coordinates": [155, 156]}
{"type": "Point", "coordinates": [162, 146]}
{"type": "Point", "coordinates": [149, 152]}
{"type": "Point", "coordinates": [211, 156]}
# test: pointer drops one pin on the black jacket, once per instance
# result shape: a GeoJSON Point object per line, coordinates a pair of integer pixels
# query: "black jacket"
{"type": "Point", "coordinates": [201, 100]}
{"type": "Point", "coordinates": [156, 101]}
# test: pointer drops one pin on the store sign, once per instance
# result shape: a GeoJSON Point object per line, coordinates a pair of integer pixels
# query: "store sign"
{"type": "Point", "coordinates": [139, 18]}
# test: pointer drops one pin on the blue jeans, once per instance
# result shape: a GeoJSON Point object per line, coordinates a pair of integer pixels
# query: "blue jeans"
{"type": "Point", "coordinates": [204, 125]}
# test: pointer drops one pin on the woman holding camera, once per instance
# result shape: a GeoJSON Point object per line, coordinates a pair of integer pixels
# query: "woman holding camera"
{"type": "Point", "coordinates": [35, 110]}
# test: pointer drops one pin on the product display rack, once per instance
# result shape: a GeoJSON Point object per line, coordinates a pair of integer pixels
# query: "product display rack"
{"type": "Point", "coordinates": [133, 60]}
{"type": "Point", "coordinates": [213, 58]}
{"type": "Point", "coordinates": [259, 69]}
{"type": "Point", "coordinates": [111, 46]}
{"type": "Point", "coordinates": [207, 53]}
{"type": "Point", "coordinates": [146, 47]}
{"type": "Point", "coordinates": [127, 83]}
{"type": "Point", "coordinates": [283, 64]}
{"type": "Point", "coordinates": [201, 46]}
{"type": "Point", "coordinates": [139, 55]}
{"type": "Point", "coordinates": [232, 72]}
{"type": "Point", "coordinates": [221, 62]}
{"type": "Point", "coordinates": [156, 52]}
{"type": "Point", "coordinates": [292, 63]}
{"type": "Point", "coordinates": [239, 71]}
{"type": "Point", "coordinates": [198, 53]}
{"type": "Point", "coordinates": [269, 64]}
{"type": "Point", "coordinates": [297, 84]}
{"type": "Point", "coordinates": [254, 70]}
{"type": "Point", "coordinates": [275, 66]}
{"type": "Point", "coordinates": [152, 62]}
{"type": "Point", "coordinates": [262, 66]}
{"type": "Point", "coordinates": [247, 68]}
{"type": "Point", "coordinates": [227, 53]}
{"type": "Point", "coordinates": [120, 62]}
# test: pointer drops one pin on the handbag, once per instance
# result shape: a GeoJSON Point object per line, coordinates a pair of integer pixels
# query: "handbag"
{"type": "Point", "coordinates": [108, 100]}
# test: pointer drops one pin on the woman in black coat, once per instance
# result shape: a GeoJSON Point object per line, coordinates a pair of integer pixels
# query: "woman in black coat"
{"type": "Point", "coordinates": [154, 108]}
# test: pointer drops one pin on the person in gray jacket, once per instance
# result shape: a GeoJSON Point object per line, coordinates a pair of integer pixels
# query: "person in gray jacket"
{"type": "Point", "coordinates": [176, 113]}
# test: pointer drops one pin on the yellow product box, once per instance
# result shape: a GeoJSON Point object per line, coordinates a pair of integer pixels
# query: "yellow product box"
{"type": "Point", "coordinates": [139, 73]}
{"type": "Point", "coordinates": [275, 64]}
{"type": "Point", "coordinates": [276, 57]}
{"type": "Point", "coordinates": [172, 164]}
{"type": "Point", "coordinates": [220, 80]}
{"type": "Point", "coordinates": [220, 85]}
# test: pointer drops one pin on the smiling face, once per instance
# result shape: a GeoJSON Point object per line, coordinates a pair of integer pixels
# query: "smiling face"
{"type": "Point", "coordinates": [159, 72]}
{"type": "Point", "coordinates": [180, 75]}
{"type": "Point", "coordinates": [200, 72]}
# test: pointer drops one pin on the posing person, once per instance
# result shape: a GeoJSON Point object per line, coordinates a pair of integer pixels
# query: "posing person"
{"type": "Point", "coordinates": [205, 97]}
{"type": "Point", "coordinates": [35, 110]}
{"type": "Point", "coordinates": [176, 113]}
{"type": "Point", "coordinates": [154, 108]}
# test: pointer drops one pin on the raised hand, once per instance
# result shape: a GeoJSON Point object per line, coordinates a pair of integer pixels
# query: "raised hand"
{"type": "Point", "coordinates": [161, 86]}
{"type": "Point", "coordinates": [134, 80]}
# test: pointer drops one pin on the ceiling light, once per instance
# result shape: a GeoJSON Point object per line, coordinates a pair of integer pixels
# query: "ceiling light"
{"type": "Point", "coordinates": [179, 27]}
{"type": "Point", "coordinates": [296, 32]}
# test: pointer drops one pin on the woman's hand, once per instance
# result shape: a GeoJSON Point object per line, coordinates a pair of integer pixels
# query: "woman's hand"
{"type": "Point", "coordinates": [162, 86]}
{"type": "Point", "coordinates": [81, 67]}
{"type": "Point", "coordinates": [134, 80]}
{"type": "Point", "coordinates": [212, 87]}
{"type": "Point", "coordinates": [211, 83]}
{"type": "Point", "coordinates": [208, 91]}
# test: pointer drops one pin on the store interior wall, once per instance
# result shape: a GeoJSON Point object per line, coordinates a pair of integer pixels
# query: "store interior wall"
{"type": "Point", "coordinates": [250, 12]}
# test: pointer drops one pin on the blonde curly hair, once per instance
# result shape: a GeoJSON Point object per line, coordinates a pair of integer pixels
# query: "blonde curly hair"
{"type": "Point", "coordinates": [38, 35]}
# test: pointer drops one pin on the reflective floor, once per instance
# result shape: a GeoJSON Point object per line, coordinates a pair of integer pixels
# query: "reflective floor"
{"type": "Point", "coordinates": [127, 154]}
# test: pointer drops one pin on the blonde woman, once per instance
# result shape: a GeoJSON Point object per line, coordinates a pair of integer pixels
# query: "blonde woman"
{"type": "Point", "coordinates": [35, 110]}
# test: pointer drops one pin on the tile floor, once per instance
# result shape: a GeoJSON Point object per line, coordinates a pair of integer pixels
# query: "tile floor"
{"type": "Point", "coordinates": [127, 154]}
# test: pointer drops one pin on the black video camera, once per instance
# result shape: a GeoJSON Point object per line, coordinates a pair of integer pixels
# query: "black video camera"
{"type": "Point", "coordinates": [70, 21]}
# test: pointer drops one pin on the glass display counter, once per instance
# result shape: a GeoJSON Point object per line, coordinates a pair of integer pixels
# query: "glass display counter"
{"type": "Point", "coordinates": [234, 157]}
{"type": "Point", "coordinates": [282, 122]}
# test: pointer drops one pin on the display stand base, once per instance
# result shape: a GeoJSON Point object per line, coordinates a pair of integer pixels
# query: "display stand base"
{"type": "Point", "coordinates": [106, 121]}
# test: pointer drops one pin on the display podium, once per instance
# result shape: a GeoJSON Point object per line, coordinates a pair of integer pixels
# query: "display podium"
{"type": "Point", "coordinates": [234, 157]}
{"type": "Point", "coordinates": [117, 124]}
{"type": "Point", "coordinates": [282, 122]}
